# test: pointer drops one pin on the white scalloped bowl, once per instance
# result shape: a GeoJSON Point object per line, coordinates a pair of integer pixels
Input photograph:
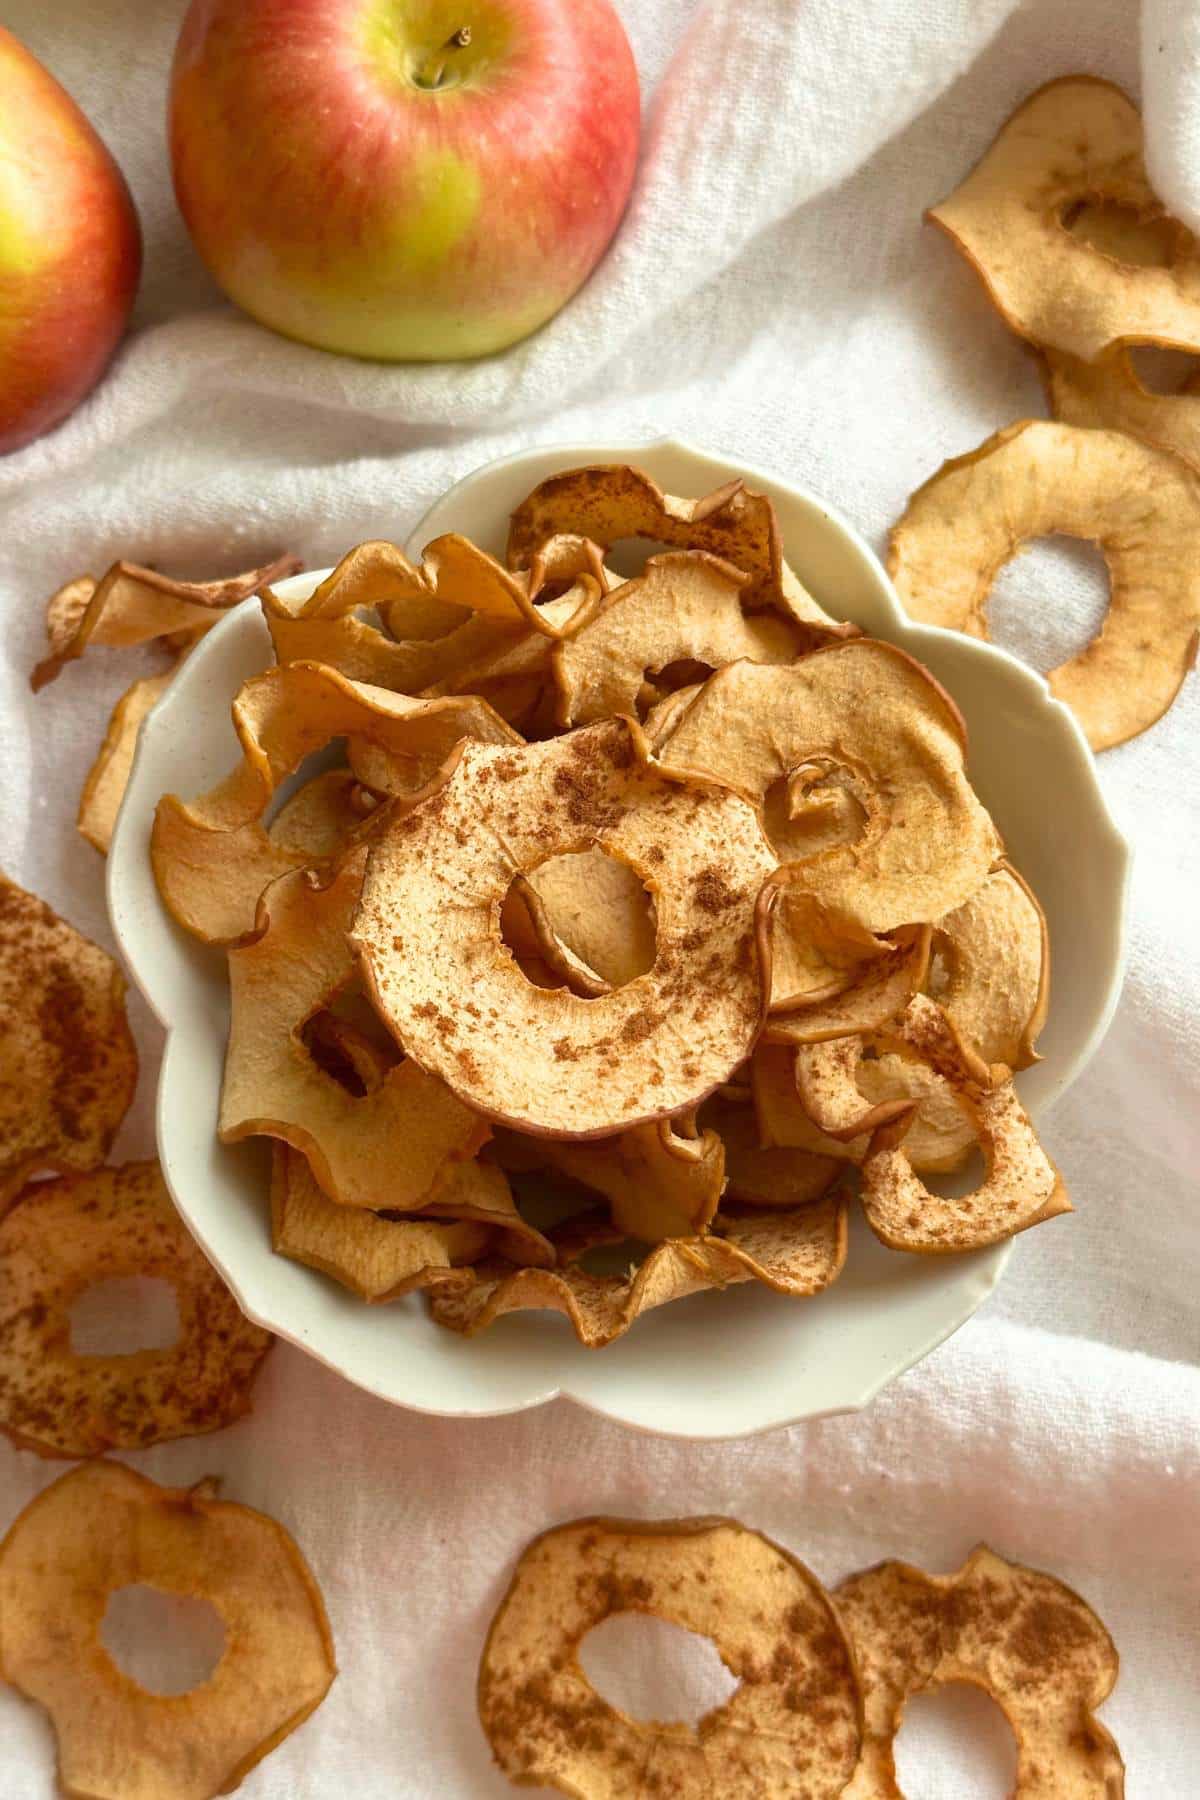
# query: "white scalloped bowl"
{"type": "Point", "coordinates": [716, 1365]}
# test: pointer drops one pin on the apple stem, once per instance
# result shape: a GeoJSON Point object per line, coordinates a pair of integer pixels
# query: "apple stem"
{"type": "Point", "coordinates": [430, 74]}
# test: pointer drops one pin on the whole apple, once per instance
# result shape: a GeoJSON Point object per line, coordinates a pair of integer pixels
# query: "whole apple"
{"type": "Point", "coordinates": [405, 179]}
{"type": "Point", "coordinates": [70, 250]}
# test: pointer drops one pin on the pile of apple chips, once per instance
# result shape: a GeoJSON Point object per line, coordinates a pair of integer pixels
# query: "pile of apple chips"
{"type": "Point", "coordinates": [644, 917]}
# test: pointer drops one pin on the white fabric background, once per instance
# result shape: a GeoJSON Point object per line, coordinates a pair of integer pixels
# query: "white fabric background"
{"type": "Point", "coordinates": [774, 295]}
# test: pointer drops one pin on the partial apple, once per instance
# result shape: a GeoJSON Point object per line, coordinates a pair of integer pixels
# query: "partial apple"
{"type": "Point", "coordinates": [70, 250]}
{"type": "Point", "coordinates": [404, 179]}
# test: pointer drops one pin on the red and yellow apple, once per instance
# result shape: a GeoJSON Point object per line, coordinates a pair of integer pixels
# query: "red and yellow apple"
{"type": "Point", "coordinates": [70, 250]}
{"type": "Point", "coordinates": [404, 179]}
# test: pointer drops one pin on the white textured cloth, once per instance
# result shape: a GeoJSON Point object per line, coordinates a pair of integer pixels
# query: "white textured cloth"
{"type": "Point", "coordinates": [774, 295]}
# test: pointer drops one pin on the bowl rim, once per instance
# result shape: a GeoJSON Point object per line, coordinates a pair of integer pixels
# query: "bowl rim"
{"type": "Point", "coordinates": [989, 1265]}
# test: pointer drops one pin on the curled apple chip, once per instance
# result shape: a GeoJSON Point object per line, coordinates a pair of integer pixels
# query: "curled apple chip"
{"type": "Point", "coordinates": [409, 1133]}
{"type": "Point", "coordinates": [940, 1137]}
{"type": "Point", "coordinates": [1021, 1187]}
{"type": "Point", "coordinates": [68, 1064]}
{"type": "Point", "coordinates": [797, 1252]}
{"type": "Point", "coordinates": [879, 990]}
{"type": "Point", "coordinates": [376, 1258]}
{"type": "Point", "coordinates": [428, 935]}
{"type": "Point", "coordinates": [130, 605]}
{"type": "Point", "coordinates": [869, 712]}
{"type": "Point", "coordinates": [212, 856]}
{"type": "Point", "coordinates": [1076, 142]}
{"type": "Point", "coordinates": [321, 817]}
{"type": "Point", "coordinates": [659, 1182]}
{"type": "Point", "coordinates": [1022, 1636]}
{"type": "Point", "coordinates": [1140, 504]}
{"type": "Point", "coordinates": [828, 1092]}
{"type": "Point", "coordinates": [108, 777]}
{"type": "Point", "coordinates": [103, 1527]}
{"type": "Point", "coordinates": [684, 607]}
{"type": "Point", "coordinates": [1107, 394]}
{"type": "Point", "coordinates": [816, 956]}
{"type": "Point", "coordinates": [793, 1725]}
{"type": "Point", "coordinates": [991, 970]}
{"type": "Point", "coordinates": [609, 503]}
{"type": "Point", "coordinates": [63, 1237]}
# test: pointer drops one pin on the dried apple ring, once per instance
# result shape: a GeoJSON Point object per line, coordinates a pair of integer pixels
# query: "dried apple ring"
{"type": "Point", "coordinates": [610, 502]}
{"type": "Point", "coordinates": [1021, 1186]}
{"type": "Point", "coordinates": [68, 1063]}
{"type": "Point", "coordinates": [868, 709]}
{"type": "Point", "coordinates": [1077, 141]}
{"type": "Point", "coordinates": [793, 1725]}
{"type": "Point", "coordinates": [103, 1527]}
{"type": "Point", "coordinates": [1141, 505]}
{"type": "Point", "coordinates": [212, 857]}
{"type": "Point", "coordinates": [410, 1132]}
{"type": "Point", "coordinates": [130, 605]}
{"type": "Point", "coordinates": [685, 606]}
{"type": "Point", "coordinates": [427, 933]}
{"type": "Point", "coordinates": [797, 1252]}
{"type": "Point", "coordinates": [63, 1237]}
{"type": "Point", "coordinates": [1023, 1637]}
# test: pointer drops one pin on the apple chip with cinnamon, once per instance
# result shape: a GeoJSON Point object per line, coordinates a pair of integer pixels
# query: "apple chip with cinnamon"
{"type": "Point", "coordinates": [68, 1065]}
{"type": "Point", "coordinates": [104, 1527]}
{"type": "Point", "coordinates": [64, 1237]}
{"type": "Point", "coordinates": [619, 1007]}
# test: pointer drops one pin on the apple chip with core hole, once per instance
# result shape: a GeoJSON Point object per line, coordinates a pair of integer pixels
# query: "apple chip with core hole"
{"type": "Point", "coordinates": [108, 777]}
{"type": "Point", "coordinates": [685, 607]}
{"type": "Point", "coordinates": [1021, 1186]}
{"type": "Point", "coordinates": [877, 717]}
{"type": "Point", "coordinates": [376, 1258]}
{"type": "Point", "coordinates": [1075, 142]}
{"type": "Point", "coordinates": [103, 1527]}
{"type": "Point", "coordinates": [428, 935]}
{"type": "Point", "coordinates": [68, 1065]}
{"type": "Point", "coordinates": [62, 1238]}
{"type": "Point", "coordinates": [1140, 504]}
{"type": "Point", "coordinates": [1023, 1637]}
{"type": "Point", "coordinates": [793, 1725]}
{"type": "Point", "coordinates": [211, 856]}
{"type": "Point", "coordinates": [408, 1133]}
{"type": "Point", "coordinates": [797, 1253]}
{"type": "Point", "coordinates": [608, 503]}
{"type": "Point", "coordinates": [991, 970]}
{"type": "Point", "coordinates": [592, 917]}
{"type": "Point", "coordinates": [131, 605]}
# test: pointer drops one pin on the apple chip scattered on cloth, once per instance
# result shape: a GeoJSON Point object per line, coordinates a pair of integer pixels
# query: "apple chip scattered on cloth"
{"type": "Point", "coordinates": [103, 1527]}
{"type": "Point", "coordinates": [823, 1678]}
{"type": "Point", "coordinates": [1078, 254]}
{"type": "Point", "coordinates": [591, 1015]}
{"type": "Point", "coordinates": [62, 1238]}
{"type": "Point", "coordinates": [68, 1065]}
